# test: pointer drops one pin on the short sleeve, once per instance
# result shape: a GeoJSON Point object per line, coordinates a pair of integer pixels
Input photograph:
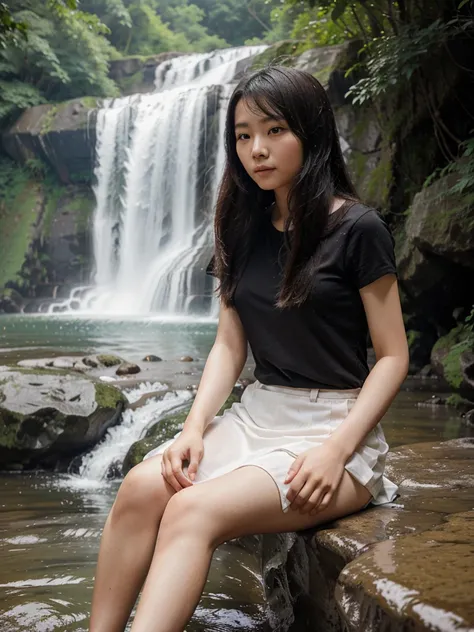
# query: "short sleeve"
{"type": "Point", "coordinates": [370, 250]}
{"type": "Point", "coordinates": [210, 267]}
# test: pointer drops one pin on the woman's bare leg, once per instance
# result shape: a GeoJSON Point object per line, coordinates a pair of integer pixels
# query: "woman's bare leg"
{"type": "Point", "coordinates": [127, 545]}
{"type": "Point", "coordinates": [199, 518]}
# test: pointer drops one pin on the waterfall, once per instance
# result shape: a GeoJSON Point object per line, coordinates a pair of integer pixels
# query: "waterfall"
{"type": "Point", "coordinates": [114, 446]}
{"type": "Point", "coordinates": [159, 158]}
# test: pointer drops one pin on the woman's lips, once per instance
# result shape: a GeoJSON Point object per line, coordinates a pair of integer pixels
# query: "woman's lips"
{"type": "Point", "coordinates": [264, 171]}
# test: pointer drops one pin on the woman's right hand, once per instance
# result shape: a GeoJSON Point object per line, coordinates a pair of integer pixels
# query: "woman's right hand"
{"type": "Point", "coordinates": [189, 446]}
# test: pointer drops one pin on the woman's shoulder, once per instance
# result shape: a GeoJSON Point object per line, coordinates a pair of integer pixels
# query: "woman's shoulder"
{"type": "Point", "coordinates": [362, 218]}
{"type": "Point", "coordinates": [360, 212]}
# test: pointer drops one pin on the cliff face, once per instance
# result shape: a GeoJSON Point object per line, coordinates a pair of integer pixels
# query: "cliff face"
{"type": "Point", "coordinates": [62, 136]}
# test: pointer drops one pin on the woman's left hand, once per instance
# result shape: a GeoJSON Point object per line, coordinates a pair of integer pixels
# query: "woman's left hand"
{"type": "Point", "coordinates": [314, 476]}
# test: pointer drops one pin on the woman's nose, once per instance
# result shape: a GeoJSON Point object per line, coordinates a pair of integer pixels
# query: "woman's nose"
{"type": "Point", "coordinates": [259, 149]}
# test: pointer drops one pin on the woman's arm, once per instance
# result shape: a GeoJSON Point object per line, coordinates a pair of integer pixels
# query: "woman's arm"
{"type": "Point", "coordinates": [223, 367]}
{"type": "Point", "coordinates": [384, 316]}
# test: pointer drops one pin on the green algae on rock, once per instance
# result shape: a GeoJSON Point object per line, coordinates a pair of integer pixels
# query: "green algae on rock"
{"type": "Point", "coordinates": [109, 360]}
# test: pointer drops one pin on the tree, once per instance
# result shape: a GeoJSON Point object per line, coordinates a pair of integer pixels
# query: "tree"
{"type": "Point", "coordinates": [61, 53]}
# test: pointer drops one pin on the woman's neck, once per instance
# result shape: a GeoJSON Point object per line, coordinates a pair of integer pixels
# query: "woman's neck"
{"type": "Point", "coordinates": [279, 218]}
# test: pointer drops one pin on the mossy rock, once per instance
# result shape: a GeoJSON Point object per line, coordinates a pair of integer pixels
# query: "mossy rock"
{"type": "Point", "coordinates": [109, 360]}
{"type": "Point", "coordinates": [281, 53]}
{"type": "Point", "coordinates": [162, 431]}
{"type": "Point", "coordinates": [107, 396]}
{"type": "Point", "coordinates": [452, 357]}
{"type": "Point", "coordinates": [49, 417]}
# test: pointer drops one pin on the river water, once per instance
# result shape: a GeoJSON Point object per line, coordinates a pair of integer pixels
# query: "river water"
{"type": "Point", "coordinates": [50, 524]}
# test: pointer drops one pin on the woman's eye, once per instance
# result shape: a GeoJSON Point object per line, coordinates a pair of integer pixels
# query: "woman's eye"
{"type": "Point", "coordinates": [239, 137]}
{"type": "Point", "coordinates": [276, 128]}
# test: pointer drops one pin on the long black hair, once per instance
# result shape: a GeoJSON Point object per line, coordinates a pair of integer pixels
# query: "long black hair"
{"type": "Point", "coordinates": [299, 98]}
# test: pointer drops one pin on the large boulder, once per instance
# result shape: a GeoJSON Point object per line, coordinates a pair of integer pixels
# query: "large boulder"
{"type": "Point", "coordinates": [62, 135]}
{"type": "Point", "coordinates": [442, 223]}
{"type": "Point", "coordinates": [48, 417]}
{"type": "Point", "coordinates": [435, 252]}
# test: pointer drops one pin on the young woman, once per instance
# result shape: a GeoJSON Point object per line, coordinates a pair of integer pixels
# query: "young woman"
{"type": "Point", "coordinates": [306, 271]}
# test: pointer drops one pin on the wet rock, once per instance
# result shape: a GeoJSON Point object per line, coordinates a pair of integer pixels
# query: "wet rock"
{"type": "Point", "coordinates": [81, 367]}
{"type": "Point", "coordinates": [109, 360]}
{"type": "Point", "coordinates": [434, 400]}
{"type": "Point", "coordinates": [37, 363]}
{"type": "Point", "coordinates": [426, 371]}
{"type": "Point", "coordinates": [152, 358]}
{"type": "Point", "coordinates": [469, 418]}
{"type": "Point", "coordinates": [186, 359]}
{"type": "Point", "coordinates": [160, 432]}
{"type": "Point", "coordinates": [435, 252]}
{"type": "Point", "coordinates": [90, 362]}
{"type": "Point", "coordinates": [48, 417]}
{"type": "Point", "coordinates": [63, 363]}
{"type": "Point", "coordinates": [127, 368]}
{"type": "Point", "coordinates": [399, 566]}
{"type": "Point", "coordinates": [11, 302]}
{"type": "Point", "coordinates": [416, 580]}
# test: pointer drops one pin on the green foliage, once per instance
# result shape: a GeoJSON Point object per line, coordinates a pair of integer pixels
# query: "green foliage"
{"type": "Point", "coordinates": [392, 59]}
{"type": "Point", "coordinates": [10, 29]}
{"type": "Point", "coordinates": [236, 21]}
{"type": "Point", "coordinates": [462, 168]}
{"type": "Point", "coordinates": [451, 346]}
{"type": "Point", "coordinates": [63, 54]}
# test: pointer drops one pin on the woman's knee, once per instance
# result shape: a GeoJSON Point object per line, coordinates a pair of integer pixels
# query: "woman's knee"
{"type": "Point", "coordinates": [191, 512]}
{"type": "Point", "coordinates": [143, 494]}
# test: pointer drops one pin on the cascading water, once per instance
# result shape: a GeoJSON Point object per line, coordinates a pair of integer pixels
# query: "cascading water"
{"type": "Point", "coordinates": [159, 157]}
{"type": "Point", "coordinates": [112, 449]}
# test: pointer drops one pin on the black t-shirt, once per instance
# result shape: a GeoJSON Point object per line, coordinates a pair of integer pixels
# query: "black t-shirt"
{"type": "Point", "coordinates": [322, 343]}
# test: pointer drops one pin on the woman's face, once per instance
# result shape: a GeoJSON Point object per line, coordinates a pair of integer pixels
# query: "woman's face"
{"type": "Point", "coordinates": [266, 143]}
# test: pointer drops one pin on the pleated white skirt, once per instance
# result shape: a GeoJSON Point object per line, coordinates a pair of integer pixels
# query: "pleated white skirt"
{"type": "Point", "coordinates": [271, 425]}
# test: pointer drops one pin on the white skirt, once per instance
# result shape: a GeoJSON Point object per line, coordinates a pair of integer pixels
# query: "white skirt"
{"type": "Point", "coordinates": [271, 425]}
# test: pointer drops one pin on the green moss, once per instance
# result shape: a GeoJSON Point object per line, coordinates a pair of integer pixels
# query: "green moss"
{"type": "Point", "coordinates": [108, 396]}
{"type": "Point", "coordinates": [127, 84]}
{"type": "Point", "coordinates": [378, 184]}
{"type": "Point", "coordinates": [282, 53]}
{"type": "Point", "coordinates": [17, 215]}
{"type": "Point", "coordinates": [109, 360]}
{"type": "Point", "coordinates": [53, 195]}
{"type": "Point", "coordinates": [83, 207]}
{"type": "Point", "coordinates": [39, 371]}
{"type": "Point", "coordinates": [9, 423]}
{"type": "Point", "coordinates": [90, 102]}
{"type": "Point", "coordinates": [228, 403]}
{"type": "Point", "coordinates": [456, 210]}
{"type": "Point", "coordinates": [357, 165]}
{"type": "Point", "coordinates": [48, 119]}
